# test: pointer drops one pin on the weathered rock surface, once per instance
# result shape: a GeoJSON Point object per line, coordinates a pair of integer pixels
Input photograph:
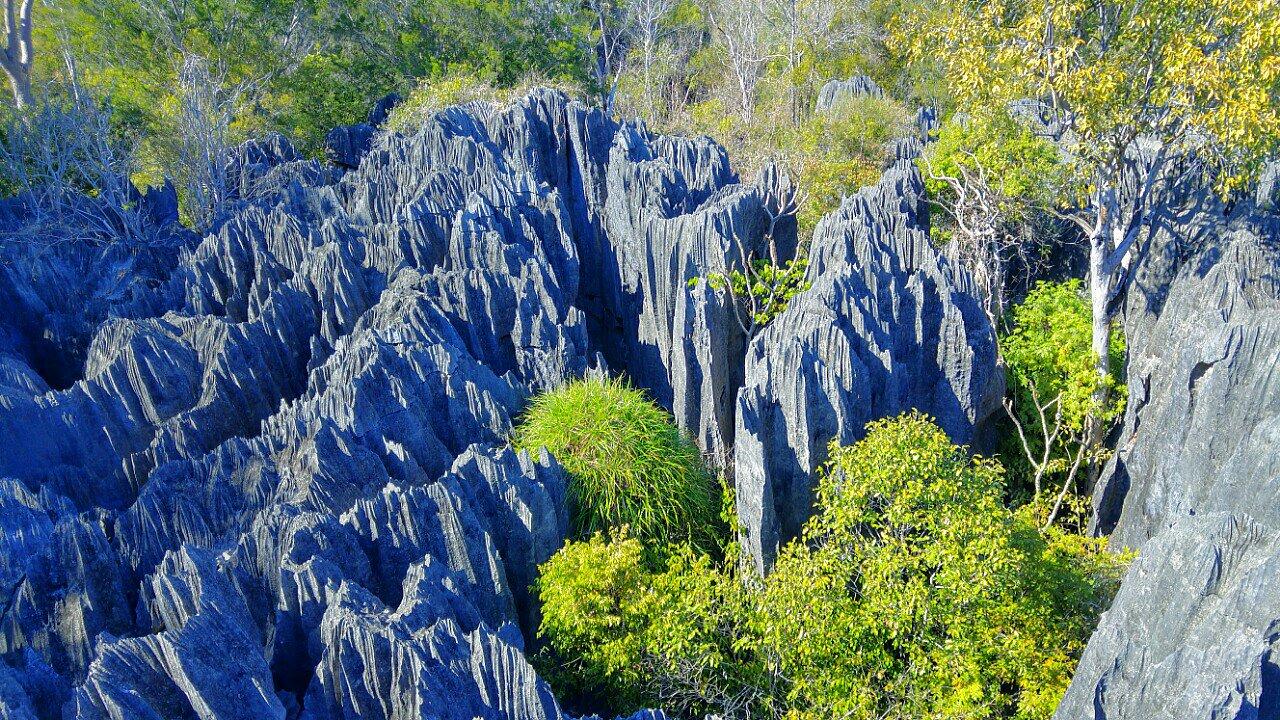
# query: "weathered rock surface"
{"type": "Point", "coordinates": [835, 92]}
{"type": "Point", "coordinates": [888, 325]}
{"type": "Point", "coordinates": [275, 481]}
{"type": "Point", "coordinates": [288, 449]}
{"type": "Point", "coordinates": [56, 293]}
{"type": "Point", "coordinates": [1192, 632]}
{"type": "Point", "coordinates": [1193, 483]}
{"type": "Point", "coordinates": [346, 146]}
{"type": "Point", "coordinates": [1203, 326]}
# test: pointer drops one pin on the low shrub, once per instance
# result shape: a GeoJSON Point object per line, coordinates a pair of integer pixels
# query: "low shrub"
{"type": "Point", "coordinates": [622, 635]}
{"type": "Point", "coordinates": [842, 149]}
{"type": "Point", "coordinates": [829, 154]}
{"type": "Point", "coordinates": [465, 85]}
{"type": "Point", "coordinates": [628, 464]}
{"type": "Point", "coordinates": [946, 604]}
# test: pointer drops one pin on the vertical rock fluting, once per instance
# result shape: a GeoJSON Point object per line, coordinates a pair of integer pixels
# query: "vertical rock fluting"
{"type": "Point", "coordinates": [279, 486]}
{"type": "Point", "coordinates": [674, 215]}
{"type": "Point", "coordinates": [887, 326]}
{"type": "Point", "coordinates": [1193, 483]}
{"type": "Point", "coordinates": [288, 447]}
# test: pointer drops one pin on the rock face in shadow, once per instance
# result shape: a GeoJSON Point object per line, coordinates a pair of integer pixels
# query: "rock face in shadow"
{"type": "Point", "coordinates": [276, 481]}
{"type": "Point", "coordinates": [56, 292]}
{"type": "Point", "coordinates": [887, 326]}
{"type": "Point", "coordinates": [1192, 485]}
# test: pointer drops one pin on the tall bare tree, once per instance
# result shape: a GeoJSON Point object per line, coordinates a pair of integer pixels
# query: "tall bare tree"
{"type": "Point", "coordinates": [613, 20]}
{"type": "Point", "coordinates": [649, 17]}
{"type": "Point", "coordinates": [808, 31]}
{"type": "Point", "coordinates": [18, 49]}
{"type": "Point", "coordinates": [743, 28]}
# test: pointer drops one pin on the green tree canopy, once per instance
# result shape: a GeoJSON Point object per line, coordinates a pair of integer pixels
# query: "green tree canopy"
{"type": "Point", "coordinates": [1133, 90]}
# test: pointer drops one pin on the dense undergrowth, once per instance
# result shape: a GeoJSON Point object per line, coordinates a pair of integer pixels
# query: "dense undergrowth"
{"type": "Point", "coordinates": [913, 592]}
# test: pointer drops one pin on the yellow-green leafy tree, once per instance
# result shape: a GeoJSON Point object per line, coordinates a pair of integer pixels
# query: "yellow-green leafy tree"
{"type": "Point", "coordinates": [1133, 89]}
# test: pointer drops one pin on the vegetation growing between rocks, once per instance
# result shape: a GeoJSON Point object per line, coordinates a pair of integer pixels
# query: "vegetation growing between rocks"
{"type": "Point", "coordinates": [914, 592]}
{"type": "Point", "coordinates": [629, 465]}
{"type": "Point", "coordinates": [929, 583]}
{"type": "Point", "coordinates": [994, 186]}
{"type": "Point", "coordinates": [1054, 395]}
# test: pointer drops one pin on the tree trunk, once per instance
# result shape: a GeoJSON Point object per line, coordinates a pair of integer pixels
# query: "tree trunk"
{"type": "Point", "coordinates": [20, 82]}
{"type": "Point", "coordinates": [1099, 292]}
{"type": "Point", "coordinates": [16, 55]}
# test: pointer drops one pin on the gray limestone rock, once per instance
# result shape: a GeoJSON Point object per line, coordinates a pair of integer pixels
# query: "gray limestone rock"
{"type": "Point", "coordinates": [308, 414]}
{"type": "Point", "coordinates": [1192, 484]}
{"type": "Point", "coordinates": [1192, 632]}
{"type": "Point", "coordinates": [381, 110]}
{"type": "Point", "coordinates": [345, 146]}
{"type": "Point", "coordinates": [1268, 195]}
{"type": "Point", "coordinates": [1203, 325]}
{"type": "Point", "coordinates": [265, 474]}
{"type": "Point", "coordinates": [205, 664]}
{"type": "Point", "coordinates": [835, 92]}
{"type": "Point", "coordinates": [887, 326]}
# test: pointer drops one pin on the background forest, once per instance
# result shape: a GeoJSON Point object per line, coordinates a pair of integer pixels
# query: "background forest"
{"type": "Point", "coordinates": [182, 74]}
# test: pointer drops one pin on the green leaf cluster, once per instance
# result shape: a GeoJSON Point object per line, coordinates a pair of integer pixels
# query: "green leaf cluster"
{"type": "Point", "coordinates": [842, 149]}
{"type": "Point", "coordinates": [768, 289]}
{"type": "Point", "coordinates": [1056, 393]}
{"type": "Point", "coordinates": [949, 605]}
{"type": "Point", "coordinates": [623, 635]}
{"type": "Point", "coordinates": [1048, 350]}
{"type": "Point", "coordinates": [628, 464]}
{"type": "Point", "coordinates": [1025, 169]}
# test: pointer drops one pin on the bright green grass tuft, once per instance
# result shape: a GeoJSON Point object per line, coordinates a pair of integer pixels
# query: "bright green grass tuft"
{"type": "Point", "coordinates": [628, 464]}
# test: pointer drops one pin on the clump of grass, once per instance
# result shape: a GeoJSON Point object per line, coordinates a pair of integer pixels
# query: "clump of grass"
{"type": "Point", "coordinates": [628, 464]}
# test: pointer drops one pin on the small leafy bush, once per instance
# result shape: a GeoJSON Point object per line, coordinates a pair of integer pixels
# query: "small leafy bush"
{"type": "Point", "coordinates": [1024, 170]}
{"type": "Point", "coordinates": [829, 154]}
{"type": "Point", "coordinates": [763, 291]}
{"type": "Point", "coordinates": [842, 149]}
{"type": "Point", "coordinates": [1049, 349]}
{"type": "Point", "coordinates": [946, 604]}
{"type": "Point", "coordinates": [623, 635]}
{"type": "Point", "coordinates": [1054, 389]}
{"type": "Point", "coordinates": [628, 464]}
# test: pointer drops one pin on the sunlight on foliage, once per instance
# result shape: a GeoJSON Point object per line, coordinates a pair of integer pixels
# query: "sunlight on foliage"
{"type": "Point", "coordinates": [628, 463]}
{"type": "Point", "coordinates": [768, 288]}
{"type": "Point", "coordinates": [1048, 348]}
{"type": "Point", "coordinates": [1195, 74]}
{"type": "Point", "coordinates": [1055, 392]}
{"type": "Point", "coordinates": [914, 592]}
{"type": "Point", "coordinates": [1023, 170]}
